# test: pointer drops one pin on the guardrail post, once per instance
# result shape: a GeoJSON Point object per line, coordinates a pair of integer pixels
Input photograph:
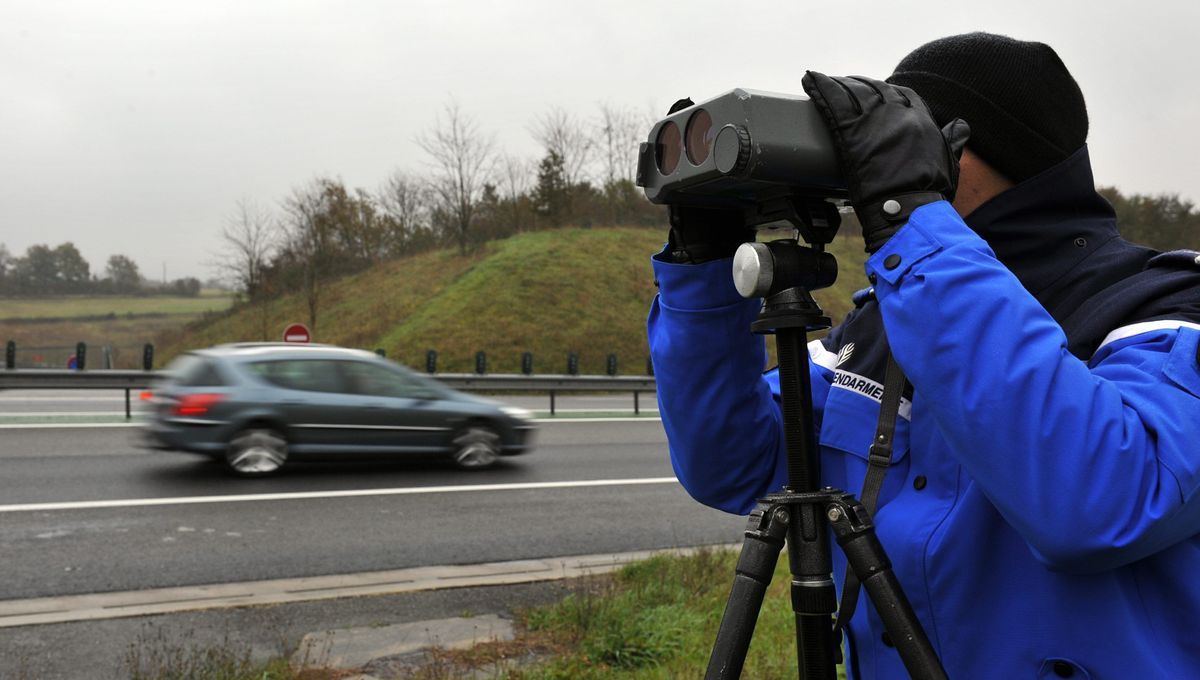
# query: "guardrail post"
{"type": "Point", "coordinates": [147, 356]}
{"type": "Point", "coordinates": [431, 361]}
{"type": "Point", "coordinates": [10, 355]}
{"type": "Point", "coordinates": [527, 363]}
{"type": "Point", "coordinates": [636, 410]}
{"type": "Point", "coordinates": [481, 362]}
{"type": "Point", "coordinates": [572, 364]}
{"type": "Point", "coordinates": [80, 356]}
{"type": "Point", "coordinates": [128, 411]}
{"type": "Point", "coordinates": [551, 402]}
{"type": "Point", "coordinates": [610, 364]}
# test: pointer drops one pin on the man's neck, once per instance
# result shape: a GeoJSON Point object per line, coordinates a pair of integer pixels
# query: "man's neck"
{"type": "Point", "coordinates": [978, 183]}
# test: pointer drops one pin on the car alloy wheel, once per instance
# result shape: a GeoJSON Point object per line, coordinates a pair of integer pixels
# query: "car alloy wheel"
{"type": "Point", "coordinates": [256, 452]}
{"type": "Point", "coordinates": [476, 447]}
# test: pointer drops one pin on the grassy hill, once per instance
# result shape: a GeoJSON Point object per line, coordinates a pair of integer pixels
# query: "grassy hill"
{"type": "Point", "coordinates": [549, 292]}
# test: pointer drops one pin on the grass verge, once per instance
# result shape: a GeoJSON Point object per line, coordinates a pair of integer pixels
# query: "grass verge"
{"type": "Point", "coordinates": [652, 620]}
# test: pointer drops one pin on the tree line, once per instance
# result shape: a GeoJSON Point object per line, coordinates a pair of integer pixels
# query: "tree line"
{"type": "Point", "coordinates": [62, 270]}
{"type": "Point", "coordinates": [468, 192]}
{"type": "Point", "coordinates": [1161, 221]}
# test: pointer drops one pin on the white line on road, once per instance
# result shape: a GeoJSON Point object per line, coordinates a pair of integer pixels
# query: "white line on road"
{"type": "Point", "coordinates": [34, 426]}
{"type": "Point", "coordinates": [56, 426]}
{"type": "Point", "coordinates": [349, 493]}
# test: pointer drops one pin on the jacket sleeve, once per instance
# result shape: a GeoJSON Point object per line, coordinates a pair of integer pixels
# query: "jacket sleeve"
{"type": "Point", "coordinates": [1095, 464]}
{"type": "Point", "coordinates": [720, 412]}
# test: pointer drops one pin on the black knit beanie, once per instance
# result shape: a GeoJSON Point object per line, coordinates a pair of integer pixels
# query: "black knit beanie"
{"type": "Point", "coordinates": [1025, 110]}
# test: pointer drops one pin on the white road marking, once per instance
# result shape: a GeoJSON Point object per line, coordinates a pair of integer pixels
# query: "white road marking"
{"type": "Point", "coordinates": [94, 606]}
{"type": "Point", "coordinates": [68, 414]}
{"type": "Point", "coordinates": [65, 398]}
{"type": "Point", "coordinates": [55, 426]}
{"type": "Point", "coordinates": [349, 493]}
{"type": "Point", "coordinates": [30, 426]}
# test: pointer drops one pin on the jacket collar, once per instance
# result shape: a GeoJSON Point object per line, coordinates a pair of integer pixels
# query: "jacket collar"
{"type": "Point", "coordinates": [1045, 227]}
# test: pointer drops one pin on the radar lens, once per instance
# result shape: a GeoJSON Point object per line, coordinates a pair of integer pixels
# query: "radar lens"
{"type": "Point", "coordinates": [700, 136]}
{"type": "Point", "coordinates": [668, 148]}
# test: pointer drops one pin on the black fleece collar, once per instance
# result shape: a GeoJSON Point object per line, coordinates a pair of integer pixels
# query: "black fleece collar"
{"type": "Point", "coordinates": [1044, 228]}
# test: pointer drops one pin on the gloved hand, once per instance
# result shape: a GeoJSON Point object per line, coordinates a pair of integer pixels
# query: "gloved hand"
{"type": "Point", "coordinates": [894, 157]}
{"type": "Point", "coordinates": [704, 234]}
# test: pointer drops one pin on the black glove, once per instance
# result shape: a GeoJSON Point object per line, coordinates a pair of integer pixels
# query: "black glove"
{"type": "Point", "coordinates": [704, 234]}
{"type": "Point", "coordinates": [894, 157]}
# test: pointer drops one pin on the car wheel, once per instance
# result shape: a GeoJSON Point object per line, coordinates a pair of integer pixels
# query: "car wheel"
{"type": "Point", "coordinates": [256, 452]}
{"type": "Point", "coordinates": [476, 447]}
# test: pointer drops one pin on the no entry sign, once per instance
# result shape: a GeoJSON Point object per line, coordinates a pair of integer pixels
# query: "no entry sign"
{"type": "Point", "coordinates": [297, 332]}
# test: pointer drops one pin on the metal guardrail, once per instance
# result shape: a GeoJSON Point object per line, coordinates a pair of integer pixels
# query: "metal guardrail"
{"type": "Point", "coordinates": [127, 380]}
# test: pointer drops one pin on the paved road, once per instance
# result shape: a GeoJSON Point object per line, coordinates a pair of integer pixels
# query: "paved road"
{"type": "Point", "coordinates": [17, 402]}
{"type": "Point", "coordinates": [61, 552]}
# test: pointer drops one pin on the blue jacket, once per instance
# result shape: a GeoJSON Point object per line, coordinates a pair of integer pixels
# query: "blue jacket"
{"type": "Point", "coordinates": [1041, 510]}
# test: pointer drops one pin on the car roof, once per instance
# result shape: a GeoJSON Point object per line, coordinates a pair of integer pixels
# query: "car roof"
{"type": "Point", "coordinates": [285, 350]}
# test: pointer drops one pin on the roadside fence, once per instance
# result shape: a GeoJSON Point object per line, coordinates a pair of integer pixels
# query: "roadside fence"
{"type": "Point", "coordinates": [38, 373]}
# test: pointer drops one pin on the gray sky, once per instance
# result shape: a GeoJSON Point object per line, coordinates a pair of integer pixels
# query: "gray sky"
{"type": "Point", "coordinates": [134, 127]}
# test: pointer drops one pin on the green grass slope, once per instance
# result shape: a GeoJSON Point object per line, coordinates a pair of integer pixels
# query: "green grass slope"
{"type": "Point", "coordinates": [549, 293]}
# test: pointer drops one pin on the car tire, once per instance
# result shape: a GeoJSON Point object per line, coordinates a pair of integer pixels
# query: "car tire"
{"type": "Point", "coordinates": [476, 447]}
{"type": "Point", "coordinates": [256, 452]}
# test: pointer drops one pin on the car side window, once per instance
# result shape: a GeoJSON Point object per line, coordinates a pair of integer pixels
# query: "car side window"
{"type": "Point", "coordinates": [191, 370]}
{"type": "Point", "coordinates": [378, 381]}
{"type": "Point", "coordinates": [310, 375]}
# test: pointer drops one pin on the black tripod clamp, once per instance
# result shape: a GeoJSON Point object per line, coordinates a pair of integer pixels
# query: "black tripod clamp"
{"type": "Point", "coordinates": [783, 272]}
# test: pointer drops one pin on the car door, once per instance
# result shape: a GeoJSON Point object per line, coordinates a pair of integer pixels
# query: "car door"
{"type": "Point", "coordinates": [320, 415]}
{"type": "Point", "coordinates": [404, 413]}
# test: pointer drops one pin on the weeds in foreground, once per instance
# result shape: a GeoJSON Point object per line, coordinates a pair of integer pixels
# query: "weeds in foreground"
{"type": "Point", "coordinates": [155, 656]}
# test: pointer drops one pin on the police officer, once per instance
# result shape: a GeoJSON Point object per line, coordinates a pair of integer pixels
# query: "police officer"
{"type": "Point", "coordinates": [1042, 504]}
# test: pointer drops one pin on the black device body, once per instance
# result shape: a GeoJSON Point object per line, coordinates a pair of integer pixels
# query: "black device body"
{"type": "Point", "coordinates": [767, 153]}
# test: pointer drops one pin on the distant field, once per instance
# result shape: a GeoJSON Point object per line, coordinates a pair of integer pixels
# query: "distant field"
{"type": "Point", "coordinates": [100, 305]}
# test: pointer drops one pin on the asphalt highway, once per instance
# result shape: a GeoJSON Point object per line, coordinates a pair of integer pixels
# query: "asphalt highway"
{"type": "Point", "coordinates": [418, 512]}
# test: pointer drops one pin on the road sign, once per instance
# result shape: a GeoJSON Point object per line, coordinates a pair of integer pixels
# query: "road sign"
{"type": "Point", "coordinates": [297, 332]}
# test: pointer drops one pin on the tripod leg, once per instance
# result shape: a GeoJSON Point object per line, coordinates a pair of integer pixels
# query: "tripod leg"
{"type": "Point", "coordinates": [756, 564]}
{"type": "Point", "coordinates": [856, 534]}
{"type": "Point", "coordinates": [814, 598]}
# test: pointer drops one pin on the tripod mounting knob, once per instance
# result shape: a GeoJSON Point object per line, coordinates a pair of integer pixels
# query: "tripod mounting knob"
{"type": "Point", "coordinates": [763, 269]}
{"type": "Point", "coordinates": [753, 270]}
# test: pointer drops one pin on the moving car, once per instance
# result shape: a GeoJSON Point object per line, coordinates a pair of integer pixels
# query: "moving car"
{"type": "Point", "coordinates": [258, 406]}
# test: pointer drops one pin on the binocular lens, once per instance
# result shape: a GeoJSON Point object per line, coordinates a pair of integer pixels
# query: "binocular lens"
{"type": "Point", "coordinates": [699, 137]}
{"type": "Point", "coordinates": [668, 148]}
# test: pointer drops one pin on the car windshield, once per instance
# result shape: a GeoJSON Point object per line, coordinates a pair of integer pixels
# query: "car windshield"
{"type": "Point", "coordinates": [383, 380]}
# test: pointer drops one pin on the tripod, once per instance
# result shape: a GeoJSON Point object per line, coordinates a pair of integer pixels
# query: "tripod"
{"type": "Point", "coordinates": [783, 273]}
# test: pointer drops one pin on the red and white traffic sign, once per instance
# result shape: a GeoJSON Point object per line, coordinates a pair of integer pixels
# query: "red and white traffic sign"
{"type": "Point", "coordinates": [297, 332]}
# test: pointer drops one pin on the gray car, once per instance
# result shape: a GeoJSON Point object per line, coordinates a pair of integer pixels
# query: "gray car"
{"type": "Point", "coordinates": [257, 406]}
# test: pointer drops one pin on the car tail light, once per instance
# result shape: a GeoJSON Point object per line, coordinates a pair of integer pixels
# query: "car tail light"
{"type": "Point", "coordinates": [146, 396]}
{"type": "Point", "coordinates": [196, 404]}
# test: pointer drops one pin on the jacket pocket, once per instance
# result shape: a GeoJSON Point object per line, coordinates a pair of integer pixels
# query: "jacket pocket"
{"type": "Point", "coordinates": [847, 430]}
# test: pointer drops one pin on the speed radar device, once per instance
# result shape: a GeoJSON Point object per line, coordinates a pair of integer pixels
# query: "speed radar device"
{"type": "Point", "coordinates": [767, 153]}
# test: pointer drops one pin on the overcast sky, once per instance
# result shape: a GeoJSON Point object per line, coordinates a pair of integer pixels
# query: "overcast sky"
{"type": "Point", "coordinates": [134, 127]}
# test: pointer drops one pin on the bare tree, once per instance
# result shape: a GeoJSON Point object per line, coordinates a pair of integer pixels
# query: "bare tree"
{"type": "Point", "coordinates": [515, 181]}
{"type": "Point", "coordinates": [404, 202]}
{"type": "Point", "coordinates": [309, 241]}
{"type": "Point", "coordinates": [249, 237]}
{"type": "Point", "coordinates": [462, 159]}
{"type": "Point", "coordinates": [617, 134]}
{"type": "Point", "coordinates": [560, 133]}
